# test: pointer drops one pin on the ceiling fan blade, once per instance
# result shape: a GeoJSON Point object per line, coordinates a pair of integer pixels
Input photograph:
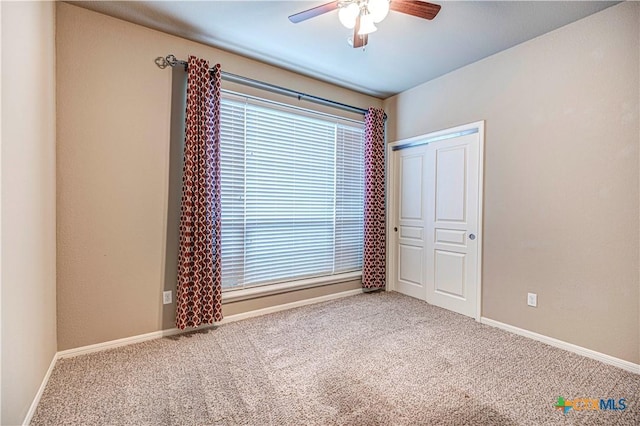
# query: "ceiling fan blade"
{"type": "Point", "coordinates": [358, 40]}
{"type": "Point", "coordinates": [312, 13]}
{"type": "Point", "coordinates": [420, 9]}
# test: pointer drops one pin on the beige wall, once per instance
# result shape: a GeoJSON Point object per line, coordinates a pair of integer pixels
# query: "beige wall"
{"type": "Point", "coordinates": [561, 176]}
{"type": "Point", "coordinates": [114, 110]}
{"type": "Point", "coordinates": [28, 203]}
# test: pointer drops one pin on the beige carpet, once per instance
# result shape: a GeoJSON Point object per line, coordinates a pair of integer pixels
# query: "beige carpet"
{"type": "Point", "coordinates": [370, 359]}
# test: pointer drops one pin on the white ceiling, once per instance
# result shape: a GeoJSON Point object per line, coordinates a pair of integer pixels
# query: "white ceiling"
{"type": "Point", "coordinates": [404, 52]}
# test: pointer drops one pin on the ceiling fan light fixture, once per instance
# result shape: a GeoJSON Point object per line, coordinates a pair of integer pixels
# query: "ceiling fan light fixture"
{"type": "Point", "coordinates": [361, 15]}
{"type": "Point", "coordinates": [348, 15]}
{"type": "Point", "coordinates": [366, 24]}
{"type": "Point", "coordinates": [378, 9]}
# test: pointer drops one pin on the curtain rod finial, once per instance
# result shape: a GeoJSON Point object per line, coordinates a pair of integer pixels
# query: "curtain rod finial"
{"type": "Point", "coordinates": [161, 62]}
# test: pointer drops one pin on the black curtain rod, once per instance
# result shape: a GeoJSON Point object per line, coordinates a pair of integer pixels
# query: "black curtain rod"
{"type": "Point", "coordinates": [172, 61]}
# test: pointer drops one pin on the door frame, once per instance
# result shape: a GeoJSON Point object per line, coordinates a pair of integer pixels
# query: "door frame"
{"type": "Point", "coordinates": [450, 133]}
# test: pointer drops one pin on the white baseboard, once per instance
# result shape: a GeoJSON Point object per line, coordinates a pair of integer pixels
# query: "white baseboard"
{"type": "Point", "coordinates": [269, 310]}
{"type": "Point", "coordinates": [598, 356]}
{"type": "Point", "coordinates": [69, 353]}
{"type": "Point", "coordinates": [36, 400]}
{"type": "Point", "coordinates": [173, 331]}
{"type": "Point", "coordinates": [291, 305]}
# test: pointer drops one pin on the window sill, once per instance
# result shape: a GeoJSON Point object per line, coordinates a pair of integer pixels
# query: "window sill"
{"type": "Point", "coordinates": [269, 290]}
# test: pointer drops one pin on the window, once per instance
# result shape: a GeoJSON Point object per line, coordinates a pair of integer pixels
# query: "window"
{"type": "Point", "coordinates": [292, 193]}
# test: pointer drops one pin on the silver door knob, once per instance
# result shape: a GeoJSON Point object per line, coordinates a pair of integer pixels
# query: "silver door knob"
{"type": "Point", "coordinates": [472, 237]}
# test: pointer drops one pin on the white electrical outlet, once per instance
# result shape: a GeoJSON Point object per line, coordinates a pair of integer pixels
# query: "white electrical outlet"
{"type": "Point", "coordinates": [166, 297]}
{"type": "Point", "coordinates": [532, 299]}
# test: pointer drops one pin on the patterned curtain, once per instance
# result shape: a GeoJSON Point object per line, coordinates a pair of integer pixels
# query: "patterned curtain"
{"type": "Point", "coordinates": [374, 250]}
{"type": "Point", "coordinates": [199, 292]}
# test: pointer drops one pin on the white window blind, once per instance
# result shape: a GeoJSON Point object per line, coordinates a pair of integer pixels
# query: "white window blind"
{"type": "Point", "coordinates": [292, 194]}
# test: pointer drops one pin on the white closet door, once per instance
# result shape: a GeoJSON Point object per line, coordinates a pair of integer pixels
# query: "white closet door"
{"type": "Point", "coordinates": [452, 224]}
{"type": "Point", "coordinates": [411, 215]}
{"type": "Point", "coordinates": [436, 200]}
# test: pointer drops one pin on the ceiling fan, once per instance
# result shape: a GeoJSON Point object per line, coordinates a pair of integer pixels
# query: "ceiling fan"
{"type": "Point", "coordinates": [362, 15]}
